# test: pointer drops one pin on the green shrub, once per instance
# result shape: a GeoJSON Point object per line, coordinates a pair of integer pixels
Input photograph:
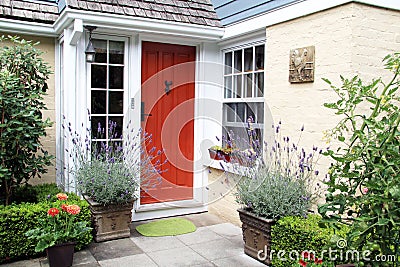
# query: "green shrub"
{"type": "Point", "coordinates": [300, 234]}
{"type": "Point", "coordinates": [15, 220]}
{"type": "Point", "coordinates": [34, 194]}
{"type": "Point", "coordinates": [23, 84]}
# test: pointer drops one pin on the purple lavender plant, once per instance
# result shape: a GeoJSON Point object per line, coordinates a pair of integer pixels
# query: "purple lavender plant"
{"type": "Point", "coordinates": [281, 181]}
{"type": "Point", "coordinates": [112, 170]}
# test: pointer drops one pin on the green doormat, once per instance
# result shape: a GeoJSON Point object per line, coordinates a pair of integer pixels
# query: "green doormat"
{"type": "Point", "coordinates": [174, 226]}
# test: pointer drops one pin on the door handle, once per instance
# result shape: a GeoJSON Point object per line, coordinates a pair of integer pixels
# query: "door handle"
{"type": "Point", "coordinates": [167, 85]}
{"type": "Point", "coordinates": [142, 114]}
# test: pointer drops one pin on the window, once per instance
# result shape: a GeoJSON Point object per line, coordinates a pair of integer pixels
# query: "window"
{"type": "Point", "coordinates": [244, 92]}
{"type": "Point", "coordinates": [107, 89]}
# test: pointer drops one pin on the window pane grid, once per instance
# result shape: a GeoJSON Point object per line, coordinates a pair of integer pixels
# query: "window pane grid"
{"type": "Point", "coordinates": [107, 101]}
{"type": "Point", "coordinates": [244, 90]}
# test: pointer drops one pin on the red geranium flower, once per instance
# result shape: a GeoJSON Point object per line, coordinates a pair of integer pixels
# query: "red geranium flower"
{"type": "Point", "coordinates": [73, 209]}
{"type": "Point", "coordinates": [53, 212]}
{"type": "Point", "coordinates": [318, 261]}
{"type": "Point", "coordinates": [302, 263]}
{"type": "Point", "coordinates": [64, 207]}
{"type": "Point", "coordinates": [62, 196]}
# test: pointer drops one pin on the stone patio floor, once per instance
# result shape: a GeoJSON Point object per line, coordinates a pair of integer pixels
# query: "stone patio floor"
{"type": "Point", "coordinates": [214, 243]}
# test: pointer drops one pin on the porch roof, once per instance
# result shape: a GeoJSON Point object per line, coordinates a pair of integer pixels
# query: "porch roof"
{"type": "Point", "coordinates": [200, 12]}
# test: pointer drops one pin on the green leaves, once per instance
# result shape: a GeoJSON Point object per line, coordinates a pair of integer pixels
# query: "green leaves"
{"type": "Point", "coordinates": [365, 175]}
{"type": "Point", "coordinates": [22, 85]}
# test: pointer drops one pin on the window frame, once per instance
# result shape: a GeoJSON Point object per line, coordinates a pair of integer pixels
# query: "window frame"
{"type": "Point", "coordinates": [254, 99]}
{"type": "Point", "coordinates": [124, 90]}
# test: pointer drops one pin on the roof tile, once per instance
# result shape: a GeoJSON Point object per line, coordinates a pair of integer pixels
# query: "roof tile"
{"type": "Point", "coordinates": [139, 12]}
{"type": "Point", "coordinates": [129, 11]}
{"type": "Point", "coordinates": [119, 10]}
{"type": "Point", "coordinates": [91, 6]}
{"type": "Point", "coordinates": [107, 8]}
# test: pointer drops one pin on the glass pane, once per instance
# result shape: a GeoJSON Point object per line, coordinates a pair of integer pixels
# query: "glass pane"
{"type": "Point", "coordinates": [228, 63]}
{"type": "Point", "coordinates": [248, 59]}
{"type": "Point", "coordinates": [259, 84]}
{"type": "Point", "coordinates": [240, 112]}
{"type": "Point", "coordinates": [230, 110]}
{"type": "Point", "coordinates": [116, 52]}
{"type": "Point", "coordinates": [260, 57]}
{"type": "Point", "coordinates": [237, 86]}
{"type": "Point", "coordinates": [250, 111]}
{"type": "Point", "coordinates": [248, 82]}
{"type": "Point", "coordinates": [260, 112]}
{"type": "Point", "coordinates": [116, 102]}
{"type": "Point", "coordinates": [98, 124]}
{"type": "Point", "coordinates": [116, 77]}
{"type": "Point", "coordinates": [101, 50]}
{"type": "Point", "coordinates": [98, 105]}
{"type": "Point", "coordinates": [99, 75]}
{"type": "Point", "coordinates": [116, 128]}
{"type": "Point", "coordinates": [238, 61]}
{"type": "Point", "coordinates": [228, 87]}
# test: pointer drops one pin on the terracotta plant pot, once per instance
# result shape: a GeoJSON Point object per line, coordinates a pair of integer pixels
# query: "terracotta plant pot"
{"type": "Point", "coordinates": [219, 155]}
{"type": "Point", "coordinates": [111, 221]}
{"type": "Point", "coordinates": [61, 255]}
{"type": "Point", "coordinates": [256, 236]}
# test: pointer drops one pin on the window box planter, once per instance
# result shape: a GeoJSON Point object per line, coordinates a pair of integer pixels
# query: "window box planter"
{"type": "Point", "coordinates": [219, 155]}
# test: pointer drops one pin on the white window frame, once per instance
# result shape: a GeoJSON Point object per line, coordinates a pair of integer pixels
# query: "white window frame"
{"type": "Point", "coordinates": [125, 89]}
{"type": "Point", "coordinates": [258, 99]}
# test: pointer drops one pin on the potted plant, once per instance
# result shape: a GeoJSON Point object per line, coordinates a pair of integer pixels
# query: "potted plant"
{"type": "Point", "coordinates": [220, 153]}
{"type": "Point", "coordinates": [58, 232]}
{"type": "Point", "coordinates": [109, 175]}
{"type": "Point", "coordinates": [271, 186]}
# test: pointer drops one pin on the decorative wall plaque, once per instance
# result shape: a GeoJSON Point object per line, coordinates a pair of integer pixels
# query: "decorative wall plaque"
{"type": "Point", "coordinates": [301, 65]}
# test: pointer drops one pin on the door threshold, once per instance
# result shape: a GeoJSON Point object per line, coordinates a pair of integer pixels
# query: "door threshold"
{"type": "Point", "coordinates": [190, 203]}
{"type": "Point", "coordinates": [167, 209]}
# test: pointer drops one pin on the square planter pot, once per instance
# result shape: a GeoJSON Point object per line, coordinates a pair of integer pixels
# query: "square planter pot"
{"type": "Point", "coordinates": [110, 221]}
{"type": "Point", "coordinates": [256, 236]}
{"type": "Point", "coordinates": [61, 255]}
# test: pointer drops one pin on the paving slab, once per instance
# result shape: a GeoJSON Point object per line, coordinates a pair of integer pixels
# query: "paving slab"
{"type": "Point", "coordinates": [203, 219]}
{"type": "Point", "coordinates": [139, 260]}
{"type": "Point", "coordinates": [114, 249]}
{"type": "Point", "coordinates": [237, 240]}
{"type": "Point", "coordinates": [183, 256]}
{"type": "Point", "coordinates": [240, 260]}
{"type": "Point", "coordinates": [83, 258]}
{"type": "Point", "coordinates": [217, 249]}
{"type": "Point", "coordinates": [25, 263]}
{"type": "Point", "coordinates": [225, 229]}
{"type": "Point", "coordinates": [201, 235]}
{"type": "Point", "coordinates": [151, 244]}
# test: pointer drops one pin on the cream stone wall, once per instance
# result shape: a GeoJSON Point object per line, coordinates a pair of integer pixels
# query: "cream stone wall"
{"type": "Point", "coordinates": [349, 40]}
{"type": "Point", "coordinates": [47, 45]}
{"type": "Point", "coordinates": [221, 199]}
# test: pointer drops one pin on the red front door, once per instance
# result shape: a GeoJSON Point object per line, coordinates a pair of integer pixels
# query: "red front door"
{"type": "Point", "coordinates": [168, 75]}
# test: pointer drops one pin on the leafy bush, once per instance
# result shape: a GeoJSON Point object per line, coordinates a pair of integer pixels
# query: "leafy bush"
{"type": "Point", "coordinates": [15, 220]}
{"type": "Point", "coordinates": [23, 76]}
{"type": "Point", "coordinates": [34, 194]}
{"type": "Point", "coordinates": [300, 234]}
{"type": "Point", "coordinates": [364, 180]}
